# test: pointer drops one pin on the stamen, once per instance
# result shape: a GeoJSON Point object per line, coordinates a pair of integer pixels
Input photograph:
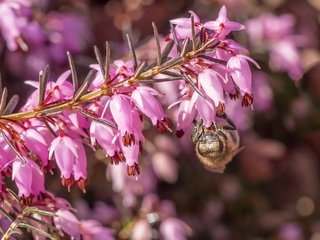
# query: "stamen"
{"type": "Point", "coordinates": [133, 170]}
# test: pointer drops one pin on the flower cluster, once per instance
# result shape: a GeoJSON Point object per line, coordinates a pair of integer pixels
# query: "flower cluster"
{"type": "Point", "coordinates": [62, 119]}
{"type": "Point", "coordinates": [52, 217]}
{"type": "Point", "coordinates": [13, 18]}
{"type": "Point", "coordinates": [109, 108]}
{"type": "Point", "coordinates": [275, 35]}
{"type": "Point", "coordinates": [213, 75]}
{"type": "Point", "coordinates": [36, 36]}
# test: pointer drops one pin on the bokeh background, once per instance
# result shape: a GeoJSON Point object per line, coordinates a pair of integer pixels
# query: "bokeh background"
{"type": "Point", "coordinates": [269, 191]}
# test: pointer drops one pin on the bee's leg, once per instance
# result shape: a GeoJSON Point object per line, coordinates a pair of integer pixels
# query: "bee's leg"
{"type": "Point", "coordinates": [197, 131]}
{"type": "Point", "coordinates": [228, 120]}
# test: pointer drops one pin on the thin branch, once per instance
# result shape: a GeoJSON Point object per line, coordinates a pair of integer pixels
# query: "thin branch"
{"type": "Point", "coordinates": [47, 225]}
{"type": "Point", "coordinates": [33, 228]}
{"type": "Point", "coordinates": [173, 64]}
{"type": "Point", "coordinates": [7, 215]}
{"type": "Point", "coordinates": [14, 196]}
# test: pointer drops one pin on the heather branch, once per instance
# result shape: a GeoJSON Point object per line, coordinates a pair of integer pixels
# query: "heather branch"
{"type": "Point", "coordinates": [19, 222]}
{"type": "Point", "coordinates": [72, 104]}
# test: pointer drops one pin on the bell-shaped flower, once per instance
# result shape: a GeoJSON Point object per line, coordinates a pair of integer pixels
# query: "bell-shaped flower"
{"type": "Point", "coordinates": [183, 26]}
{"type": "Point", "coordinates": [148, 104]}
{"type": "Point", "coordinates": [99, 80]}
{"type": "Point", "coordinates": [222, 25]}
{"type": "Point", "coordinates": [241, 75]}
{"type": "Point", "coordinates": [36, 143]}
{"type": "Point", "coordinates": [165, 167]}
{"type": "Point", "coordinates": [284, 55]}
{"type": "Point", "coordinates": [105, 136]}
{"type": "Point", "coordinates": [211, 85]}
{"type": "Point", "coordinates": [123, 70]}
{"type": "Point", "coordinates": [205, 109]}
{"type": "Point", "coordinates": [28, 177]}
{"type": "Point", "coordinates": [93, 230]}
{"type": "Point", "coordinates": [131, 154]}
{"type": "Point", "coordinates": [77, 119]}
{"type": "Point", "coordinates": [59, 90]}
{"type": "Point", "coordinates": [128, 121]}
{"type": "Point", "coordinates": [12, 21]}
{"type": "Point", "coordinates": [66, 221]}
{"type": "Point", "coordinates": [70, 157]}
{"type": "Point", "coordinates": [141, 230]}
{"type": "Point", "coordinates": [174, 229]}
{"type": "Point", "coordinates": [186, 114]}
{"type": "Point", "coordinates": [6, 154]}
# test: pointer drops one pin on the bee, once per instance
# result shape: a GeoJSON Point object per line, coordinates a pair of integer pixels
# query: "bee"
{"type": "Point", "coordinates": [216, 146]}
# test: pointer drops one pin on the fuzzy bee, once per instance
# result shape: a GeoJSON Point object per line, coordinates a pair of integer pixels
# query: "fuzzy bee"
{"type": "Point", "coordinates": [216, 146]}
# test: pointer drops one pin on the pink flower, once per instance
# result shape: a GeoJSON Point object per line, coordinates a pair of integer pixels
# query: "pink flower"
{"type": "Point", "coordinates": [141, 230]}
{"type": "Point", "coordinates": [77, 119]}
{"type": "Point", "coordinates": [205, 108]}
{"type": "Point", "coordinates": [284, 55]}
{"type": "Point", "coordinates": [105, 136]}
{"type": "Point", "coordinates": [99, 80]}
{"type": "Point", "coordinates": [67, 222]}
{"type": "Point", "coordinates": [36, 144]}
{"type": "Point", "coordinates": [147, 103]}
{"type": "Point", "coordinates": [131, 154]}
{"type": "Point", "coordinates": [7, 155]}
{"type": "Point", "coordinates": [66, 32]}
{"type": "Point", "coordinates": [165, 167]}
{"type": "Point", "coordinates": [241, 75]}
{"type": "Point", "coordinates": [93, 230]}
{"type": "Point", "coordinates": [174, 229]}
{"type": "Point", "coordinates": [150, 106]}
{"type": "Point", "coordinates": [123, 70]}
{"type": "Point", "coordinates": [222, 25]}
{"type": "Point", "coordinates": [183, 26]}
{"type": "Point", "coordinates": [59, 90]}
{"type": "Point", "coordinates": [275, 35]}
{"type": "Point", "coordinates": [210, 83]}
{"type": "Point", "coordinates": [262, 91]}
{"type": "Point", "coordinates": [12, 21]}
{"type": "Point", "coordinates": [186, 114]}
{"type": "Point", "coordinates": [28, 177]}
{"type": "Point", "coordinates": [128, 120]}
{"type": "Point", "coordinates": [71, 159]}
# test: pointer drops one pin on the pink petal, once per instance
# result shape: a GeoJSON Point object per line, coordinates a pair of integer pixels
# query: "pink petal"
{"type": "Point", "coordinates": [211, 85]}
